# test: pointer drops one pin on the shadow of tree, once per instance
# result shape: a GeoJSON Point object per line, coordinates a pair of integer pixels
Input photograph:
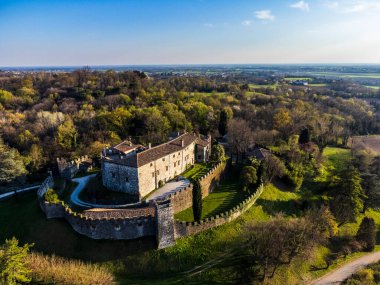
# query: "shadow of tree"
{"type": "Point", "coordinates": [291, 207]}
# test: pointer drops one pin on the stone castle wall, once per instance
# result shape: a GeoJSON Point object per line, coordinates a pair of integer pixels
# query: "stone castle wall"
{"type": "Point", "coordinates": [182, 229]}
{"type": "Point", "coordinates": [153, 219]}
{"type": "Point", "coordinates": [117, 228]}
{"type": "Point", "coordinates": [183, 199]}
{"type": "Point", "coordinates": [68, 169]}
{"type": "Point", "coordinates": [120, 178]}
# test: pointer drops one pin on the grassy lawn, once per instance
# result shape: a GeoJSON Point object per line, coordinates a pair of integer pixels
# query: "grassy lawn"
{"type": "Point", "coordinates": [197, 171]}
{"type": "Point", "coordinates": [225, 197]}
{"type": "Point", "coordinates": [337, 158]}
{"type": "Point", "coordinates": [257, 86]}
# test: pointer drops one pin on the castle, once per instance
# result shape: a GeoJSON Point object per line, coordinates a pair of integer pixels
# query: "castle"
{"type": "Point", "coordinates": [138, 170]}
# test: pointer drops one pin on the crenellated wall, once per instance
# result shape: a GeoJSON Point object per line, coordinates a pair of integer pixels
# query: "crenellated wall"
{"type": "Point", "coordinates": [146, 219]}
{"type": "Point", "coordinates": [182, 229]}
{"type": "Point", "coordinates": [183, 199]}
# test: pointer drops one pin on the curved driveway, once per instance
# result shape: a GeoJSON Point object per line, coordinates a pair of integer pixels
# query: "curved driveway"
{"type": "Point", "coordinates": [169, 187]}
{"type": "Point", "coordinates": [344, 272]}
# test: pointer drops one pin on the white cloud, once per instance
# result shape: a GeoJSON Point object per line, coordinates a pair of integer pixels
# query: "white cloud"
{"type": "Point", "coordinates": [209, 25]}
{"type": "Point", "coordinates": [361, 6]}
{"type": "Point", "coordinates": [332, 4]}
{"type": "Point", "coordinates": [246, 23]}
{"type": "Point", "coordinates": [302, 5]}
{"type": "Point", "coordinates": [264, 15]}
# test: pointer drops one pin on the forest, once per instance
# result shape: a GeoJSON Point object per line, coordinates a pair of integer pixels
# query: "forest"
{"type": "Point", "coordinates": [321, 192]}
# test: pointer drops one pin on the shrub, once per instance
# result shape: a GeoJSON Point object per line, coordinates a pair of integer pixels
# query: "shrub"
{"type": "Point", "coordinates": [52, 197]}
{"type": "Point", "coordinates": [366, 234]}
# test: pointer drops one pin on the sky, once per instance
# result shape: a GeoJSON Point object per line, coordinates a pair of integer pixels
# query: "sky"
{"type": "Point", "coordinates": [144, 32]}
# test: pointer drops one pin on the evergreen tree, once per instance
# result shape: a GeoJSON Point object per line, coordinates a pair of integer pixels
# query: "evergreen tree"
{"type": "Point", "coordinates": [197, 200]}
{"type": "Point", "coordinates": [304, 136]}
{"type": "Point", "coordinates": [347, 196]}
{"type": "Point", "coordinates": [366, 234]}
{"type": "Point", "coordinates": [13, 267]}
{"type": "Point", "coordinates": [225, 116]}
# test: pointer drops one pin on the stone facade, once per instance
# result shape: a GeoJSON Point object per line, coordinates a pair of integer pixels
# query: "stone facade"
{"type": "Point", "coordinates": [68, 169]}
{"type": "Point", "coordinates": [138, 170]}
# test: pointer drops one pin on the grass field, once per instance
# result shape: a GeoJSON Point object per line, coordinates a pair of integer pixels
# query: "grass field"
{"type": "Point", "coordinates": [298, 78]}
{"type": "Point", "coordinates": [225, 197]}
{"type": "Point", "coordinates": [373, 87]}
{"type": "Point", "coordinates": [337, 158]}
{"type": "Point", "coordinates": [197, 171]}
{"type": "Point", "coordinates": [259, 86]}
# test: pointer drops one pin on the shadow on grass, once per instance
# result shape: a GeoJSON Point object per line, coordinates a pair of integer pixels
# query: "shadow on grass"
{"type": "Point", "coordinates": [291, 207]}
{"type": "Point", "coordinates": [23, 219]}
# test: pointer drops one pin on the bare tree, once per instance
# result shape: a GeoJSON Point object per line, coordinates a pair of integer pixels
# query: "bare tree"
{"type": "Point", "coordinates": [240, 136]}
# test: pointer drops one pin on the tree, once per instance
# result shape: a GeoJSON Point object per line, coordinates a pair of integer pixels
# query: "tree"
{"type": "Point", "coordinates": [240, 136]}
{"type": "Point", "coordinates": [197, 200]}
{"type": "Point", "coordinates": [347, 196]}
{"type": "Point", "coordinates": [217, 153]}
{"type": "Point", "coordinates": [11, 164]}
{"type": "Point", "coordinates": [13, 263]}
{"type": "Point", "coordinates": [304, 136]}
{"type": "Point", "coordinates": [366, 234]}
{"type": "Point", "coordinates": [5, 97]}
{"type": "Point", "coordinates": [36, 158]}
{"type": "Point", "coordinates": [67, 135]}
{"type": "Point", "coordinates": [268, 245]}
{"type": "Point", "coordinates": [224, 117]}
{"type": "Point", "coordinates": [248, 177]}
{"type": "Point", "coordinates": [272, 167]}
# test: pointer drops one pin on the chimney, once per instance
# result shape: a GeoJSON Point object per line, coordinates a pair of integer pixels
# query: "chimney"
{"type": "Point", "coordinates": [149, 145]}
{"type": "Point", "coordinates": [182, 143]}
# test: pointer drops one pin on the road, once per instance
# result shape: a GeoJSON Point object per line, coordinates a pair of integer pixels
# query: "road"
{"type": "Point", "coordinates": [168, 188]}
{"type": "Point", "coordinates": [342, 273]}
{"type": "Point", "coordinates": [9, 194]}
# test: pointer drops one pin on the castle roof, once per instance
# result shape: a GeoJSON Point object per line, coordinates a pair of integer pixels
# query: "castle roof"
{"type": "Point", "coordinates": [151, 154]}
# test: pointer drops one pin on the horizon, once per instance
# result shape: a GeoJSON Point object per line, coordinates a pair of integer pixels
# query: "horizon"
{"type": "Point", "coordinates": [191, 32]}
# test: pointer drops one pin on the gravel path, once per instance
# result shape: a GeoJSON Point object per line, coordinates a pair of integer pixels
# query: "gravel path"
{"type": "Point", "coordinates": [342, 273]}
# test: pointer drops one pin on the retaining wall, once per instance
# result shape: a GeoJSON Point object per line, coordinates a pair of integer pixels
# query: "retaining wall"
{"type": "Point", "coordinates": [182, 229]}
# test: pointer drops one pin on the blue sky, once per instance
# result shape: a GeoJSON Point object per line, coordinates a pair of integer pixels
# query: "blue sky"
{"type": "Point", "coordinates": [117, 32]}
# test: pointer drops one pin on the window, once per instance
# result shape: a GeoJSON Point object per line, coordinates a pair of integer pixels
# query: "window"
{"type": "Point", "coordinates": [153, 174]}
{"type": "Point", "coordinates": [127, 179]}
{"type": "Point", "coordinates": [179, 163]}
{"type": "Point", "coordinates": [151, 164]}
{"type": "Point", "coordinates": [173, 155]}
{"type": "Point", "coordinates": [179, 153]}
{"type": "Point", "coordinates": [158, 172]}
{"type": "Point", "coordinates": [199, 156]}
{"type": "Point", "coordinates": [113, 174]}
{"type": "Point", "coordinates": [174, 164]}
{"type": "Point", "coordinates": [163, 159]}
{"type": "Point", "coordinates": [167, 168]}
